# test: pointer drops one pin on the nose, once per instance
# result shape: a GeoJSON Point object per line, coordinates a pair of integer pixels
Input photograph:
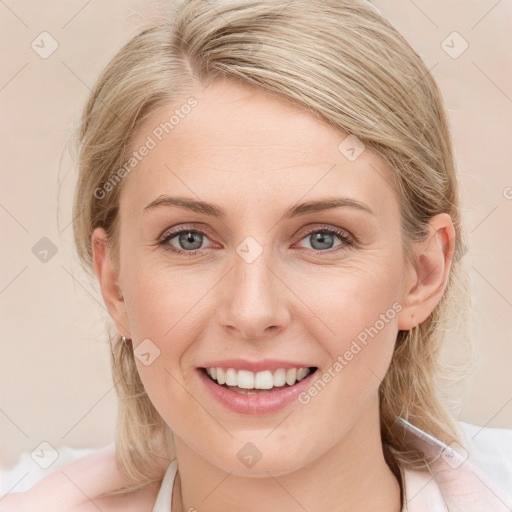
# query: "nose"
{"type": "Point", "coordinates": [254, 303]}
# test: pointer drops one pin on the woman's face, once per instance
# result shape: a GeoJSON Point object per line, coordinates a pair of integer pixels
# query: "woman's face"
{"type": "Point", "coordinates": [276, 279]}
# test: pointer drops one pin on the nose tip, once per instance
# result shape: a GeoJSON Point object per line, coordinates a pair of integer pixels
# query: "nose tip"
{"type": "Point", "coordinates": [252, 304]}
{"type": "Point", "coordinates": [250, 332]}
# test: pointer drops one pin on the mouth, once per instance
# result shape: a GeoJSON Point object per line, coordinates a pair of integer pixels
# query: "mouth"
{"type": "Point", "coordinates": [246, 382]}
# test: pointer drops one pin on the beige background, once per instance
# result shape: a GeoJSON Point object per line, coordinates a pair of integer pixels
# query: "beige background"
{"type": "Point", "coordinates": [54, 367]}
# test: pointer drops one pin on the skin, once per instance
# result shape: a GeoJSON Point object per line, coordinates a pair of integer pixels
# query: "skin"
{"type": "Point", "coordinates": [256, 155]}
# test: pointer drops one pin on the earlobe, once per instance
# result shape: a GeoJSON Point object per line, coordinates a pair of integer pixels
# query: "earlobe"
{"type": "Point", "coordinates": [430, 272]}
{"type": "Point", "coordinates": [108, 277]}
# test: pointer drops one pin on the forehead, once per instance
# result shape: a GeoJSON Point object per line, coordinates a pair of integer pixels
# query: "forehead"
{"type": "Point", "coordinates": [245, 144]}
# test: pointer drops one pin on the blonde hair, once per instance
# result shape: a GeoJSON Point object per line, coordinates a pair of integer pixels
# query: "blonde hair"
{"type": "Point", "coordinates": [347, 65]}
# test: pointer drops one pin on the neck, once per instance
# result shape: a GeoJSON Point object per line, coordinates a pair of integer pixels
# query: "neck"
{"type": "Point", "coordinates": [351, 476]}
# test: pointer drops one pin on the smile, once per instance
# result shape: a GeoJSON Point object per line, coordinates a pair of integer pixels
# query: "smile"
{"type": "Point", "coordinates": [241, 380]}
{"type": "Point", "coordinates": [255, 393]}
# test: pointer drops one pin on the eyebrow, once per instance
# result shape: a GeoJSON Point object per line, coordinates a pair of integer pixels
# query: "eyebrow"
{"type": "Point", "coordinates": [294, 211]}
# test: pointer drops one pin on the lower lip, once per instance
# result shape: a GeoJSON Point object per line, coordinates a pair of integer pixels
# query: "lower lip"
{"type": "Point", "coordinates": [262, 403]}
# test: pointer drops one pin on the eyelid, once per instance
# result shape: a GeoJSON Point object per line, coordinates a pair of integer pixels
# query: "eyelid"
{"type": "Point", "coordinates": [184, 227]}
{"type": "Point", "coordinates": [206, 229]}
{"type": "Point", "coordinates": [347, 239]}
{"type": "Point", "coordinates": [332, 229]}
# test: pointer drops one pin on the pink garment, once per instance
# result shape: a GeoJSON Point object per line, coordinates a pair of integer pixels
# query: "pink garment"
{"type": "Point", "coordinates": [451, 484]}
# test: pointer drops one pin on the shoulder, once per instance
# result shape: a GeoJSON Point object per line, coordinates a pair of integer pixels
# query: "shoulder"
{"type": "Point", "coordinates": [472, 476]}
{"type": "Point", "coordinates": [141, 500]}
{"type": "Point", "coordinates": [490, 450]}
{"type": "Point", "coordinates": [79, 487]}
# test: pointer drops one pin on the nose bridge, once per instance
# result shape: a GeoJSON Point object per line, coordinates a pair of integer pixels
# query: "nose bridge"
{"type": "Point", "coordinates": [252, 300]}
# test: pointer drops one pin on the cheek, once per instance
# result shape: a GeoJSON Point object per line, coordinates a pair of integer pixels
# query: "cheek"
{"type": "Point", "coordinates": [345, 299]}
{"type": "Point", "coordinates": [166, 308]}
{"type": "Point", "coordinates": [161, 298]}
{"type": "Point", "coordinates": [355, 320]}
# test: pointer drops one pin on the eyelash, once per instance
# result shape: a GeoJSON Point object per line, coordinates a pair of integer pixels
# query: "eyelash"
{"type": "Point", "coordinates": [348, 242]}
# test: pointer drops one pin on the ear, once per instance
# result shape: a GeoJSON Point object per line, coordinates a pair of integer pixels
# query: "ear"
{"type": "Point", "coordinates": [428, 276]}
{"type": "Point", "coordinates": [108, 277]}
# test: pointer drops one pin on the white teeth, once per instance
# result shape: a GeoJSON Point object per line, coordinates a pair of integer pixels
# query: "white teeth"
{"type": "Point", "coordinates": [291, 376]}
{"type": "Point", "coordinates": [266, 379]}
{"type": "Point", "coordinates": [245, 379]}
{"type": "Point", "coordinates": [231, 377]}
{"type": "Point", "coordinates": [221, 376]}
{"type": "Point", "coordinates": [280, 377]}
{"type": "Point", "coordinates": [301, 373]}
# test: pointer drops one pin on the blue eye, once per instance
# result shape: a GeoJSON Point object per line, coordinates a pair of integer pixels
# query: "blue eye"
{"type": "Point", "coordinates": [323, 239]}
{"type": "Point", "coordinates": [189, 241]}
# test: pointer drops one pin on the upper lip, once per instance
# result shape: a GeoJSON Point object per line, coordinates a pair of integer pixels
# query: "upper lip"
{"type": "Point", "coordinates": [254, 366]}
